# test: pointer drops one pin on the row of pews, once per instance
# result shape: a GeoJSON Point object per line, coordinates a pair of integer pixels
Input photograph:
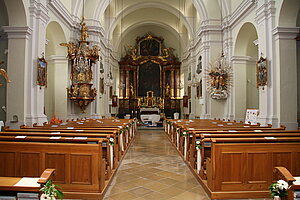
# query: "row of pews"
{"type": "Point", "coordinates": [84, 152]}
{"type": "Point", "coordinates": [234, 160]}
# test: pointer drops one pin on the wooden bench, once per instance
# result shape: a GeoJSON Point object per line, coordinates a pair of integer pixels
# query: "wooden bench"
{"type": "Point", "coordinates": [81, 168]}
{"type": "Point", "coordinates": [8, 184]}
{"type": "Point", "coordinates": [242, 167]}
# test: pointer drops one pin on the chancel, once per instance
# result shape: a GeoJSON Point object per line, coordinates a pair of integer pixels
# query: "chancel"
{"type": "Point", "coordinates": [126, 99]}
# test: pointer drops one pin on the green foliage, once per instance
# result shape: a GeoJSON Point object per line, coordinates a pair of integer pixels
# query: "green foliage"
{"type": "Point", "coordinates": [276, 191]}
{"type": "Point", "coordinates": [52, 190]}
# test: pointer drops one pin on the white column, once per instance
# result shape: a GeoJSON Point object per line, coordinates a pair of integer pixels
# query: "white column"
{"type": "Point", "coordinates": [286, 67]}
{"type": "Point", "coordinates": [57, 101]}
{"type": "Point", "coordinates": [265, 19]}
{"type": "Point", "coordinates": [17, 61]}
{"type": "Point", "coordinates": [35, 94]}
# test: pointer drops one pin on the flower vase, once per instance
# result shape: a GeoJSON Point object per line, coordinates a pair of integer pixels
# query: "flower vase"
{"type": "Point", "coordinates": [276, 198]}
{"type": "Point", "coordinates": [47, 197]}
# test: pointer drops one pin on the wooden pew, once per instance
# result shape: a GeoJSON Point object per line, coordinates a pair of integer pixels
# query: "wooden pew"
{"type": "Point", "coordinates": [80, 167]}
{"type": "Point", "coordinates": [8, 184]}
{"type": "Point", "coordinates": [242, 167]}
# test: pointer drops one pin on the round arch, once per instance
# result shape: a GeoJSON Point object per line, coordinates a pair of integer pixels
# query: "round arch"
{"type": "Point", "coordinates": [163, 6]}
{"type": "Point", "coordinates": [167, 27]}
{"type": "Point", "coordinates": [55, 94]}
{"type": "Point", "coordinates": [16, 13]}
{"type": "Point", "coordinates": [244, 41]}
{"type": "Point", "coordinates": [244, 69]}
{"type": "Point", "coordinates": [55, 34]}
{"type": "Point", "coordinates": [288, 13]}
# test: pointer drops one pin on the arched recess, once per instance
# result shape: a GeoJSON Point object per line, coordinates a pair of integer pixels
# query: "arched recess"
{"type": "Point", "coordinates": [245, 55]}
{"type": "Point", "coordinates": [3, 57]}
{"type": "Point", "coordinates": [55, 93]}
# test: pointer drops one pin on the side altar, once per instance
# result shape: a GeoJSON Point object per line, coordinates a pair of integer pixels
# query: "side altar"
{"type": "Point", "coordinates": [149, 78]}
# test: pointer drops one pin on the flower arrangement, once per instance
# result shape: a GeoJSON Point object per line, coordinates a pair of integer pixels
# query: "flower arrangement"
{"type": "Point", "coordinates": [279, 188]}
{"type": "Point", "coordinates": [184, 133]}
{"type": "Point", "coordinates": [198, 145]}
{"type": "Point", "coordinates": [111, 141]}
{"type": "Point", "coordinates": [50, 191]}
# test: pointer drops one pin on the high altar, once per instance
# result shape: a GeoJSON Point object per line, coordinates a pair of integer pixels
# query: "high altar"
{"type": "Point", "coordinates": [149, 78]}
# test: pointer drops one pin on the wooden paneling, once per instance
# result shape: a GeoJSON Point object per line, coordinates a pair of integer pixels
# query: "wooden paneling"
{"type": "Point", "coordinates": [257, 166]}
{"type": "Point", "coordinates": [296, 166]}
{"type": "Point", "coordinates": [232, 167]}
{"type": "Point", "coordinates": [282, 159]}
{"type": "Point", "coordinates": [81, 171]}
{"type": "Point", "coordinates": [57, 161]}
{"type": "Point", "coordinates": [30, 164]}
{"type": "Point", "coordinates": [7, 163]}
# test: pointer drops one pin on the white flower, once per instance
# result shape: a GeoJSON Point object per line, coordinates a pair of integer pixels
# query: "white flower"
{"type": "Point", "coordinates": [111, 139]}
{"type": "Point", "coordinates": [198, 142]}
{"type": "Point", "coordinates": [282, 185]}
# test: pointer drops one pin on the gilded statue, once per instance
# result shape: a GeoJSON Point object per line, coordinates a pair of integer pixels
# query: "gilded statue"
{"type": "Point", "coordinates": [166, 53]}
{"type": "Point", "coordinates": [84, 29]}
{"type": "Point", "coordinates": [133, 54]}
{"type": "Point", "coordinates": [131, 91]}
{"type": "Point", "coordinates": [167, 91]}
{"type": "Point", "coordinates": [72, 49]}
{"type": "Point", "coordinates": [4, 74]}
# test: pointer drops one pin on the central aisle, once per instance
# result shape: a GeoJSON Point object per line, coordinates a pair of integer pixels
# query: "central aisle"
{"type": "Point", "coordinates": [152, 169]}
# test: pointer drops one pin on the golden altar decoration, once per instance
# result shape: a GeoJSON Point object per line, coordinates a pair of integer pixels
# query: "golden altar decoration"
{"type": "Point", "coordinates": [4, 74]}
{"type": "Point", "coordinates": [82, 57]}
{"type": "Point", "coordinates": [219, 78]}
{"type": "Point", "coordinates": [150, 101]}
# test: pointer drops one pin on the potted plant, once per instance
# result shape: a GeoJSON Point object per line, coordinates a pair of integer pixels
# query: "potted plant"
{"type": "Point", "coordinates": [279, 189]}
{"type": "Point", "coordinates": [50, 191]}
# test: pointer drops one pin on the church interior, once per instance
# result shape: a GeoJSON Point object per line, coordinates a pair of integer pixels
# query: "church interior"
{"type": "Point", "coordinates": [150, 99]}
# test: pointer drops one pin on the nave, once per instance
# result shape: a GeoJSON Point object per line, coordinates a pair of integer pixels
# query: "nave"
{"type": "Point", "coordinates": [153, 169]}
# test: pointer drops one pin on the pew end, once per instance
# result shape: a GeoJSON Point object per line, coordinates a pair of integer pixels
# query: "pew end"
{"type": "Point", "coordinates": [46, 175]}
{"type": "Point", "coordinates": [284, 174]}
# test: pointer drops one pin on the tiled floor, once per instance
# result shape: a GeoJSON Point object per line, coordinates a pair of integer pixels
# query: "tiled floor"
{"type": "Point", "coordinates": [153, 170]}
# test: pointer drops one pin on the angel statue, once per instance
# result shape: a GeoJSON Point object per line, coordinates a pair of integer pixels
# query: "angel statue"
{"type": "Point", "coordinates": [84, 29]}
{"type": "Point", "coordinates": [4, 74]}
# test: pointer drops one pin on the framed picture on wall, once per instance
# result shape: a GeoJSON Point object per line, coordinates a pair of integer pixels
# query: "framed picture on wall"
{"type": "Point", "coordinates": [261, 72]}
{"type": "Point", "coordinates": [114, 101]}
{"type": "Point", "coordinates": [42, 72]}
{"type": "Point", "coordinates": [185, 101]}
{"type": "Point", "coordinates": [101, 85]}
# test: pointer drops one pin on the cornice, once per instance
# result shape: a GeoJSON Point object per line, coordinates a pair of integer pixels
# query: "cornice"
{"type": "Point", "coordinates": [62, 13]}
{"type": "Point", "coordinates": [17, 32]}
{"type": "Point", "coordinates": [285, 33]}
{"type": "Point", "coordinates": [242, 59]}
{"type": "Point", "coordinates": [245, 7]}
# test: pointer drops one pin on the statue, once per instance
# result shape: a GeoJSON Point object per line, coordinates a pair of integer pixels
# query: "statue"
{"type": "Point", "coordinates": [167, 91]}
{"type": "Point", "coordinates": [4, 74]}
{"type": "Point", "coordinates": [131, 91]}
{"type": "Point", "coordinates": [84, 29]}
{"type": "Point", "coordinates": [133, 54]}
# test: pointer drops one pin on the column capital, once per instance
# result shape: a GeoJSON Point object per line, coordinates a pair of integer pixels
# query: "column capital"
{"type": "Point", "coordinates": [285, 33]}
{"type": "Point", "coordinates": [18, 32]}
